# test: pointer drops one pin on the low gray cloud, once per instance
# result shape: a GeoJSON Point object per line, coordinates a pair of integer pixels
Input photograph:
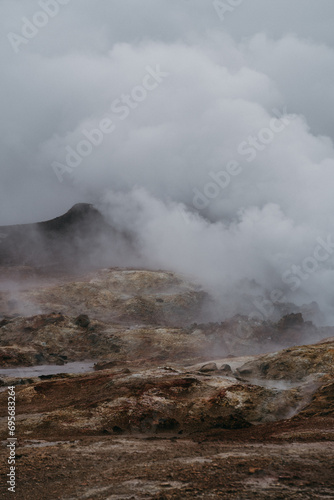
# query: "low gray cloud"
{"type": "Point", "coordinates": [81, 93]}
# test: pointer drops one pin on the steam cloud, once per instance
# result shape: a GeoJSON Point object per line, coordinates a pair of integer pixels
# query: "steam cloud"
{"type": "Point", "coordinates": [221, 169]}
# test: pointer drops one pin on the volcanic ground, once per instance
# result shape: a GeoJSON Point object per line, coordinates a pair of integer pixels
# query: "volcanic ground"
{"type": "Point", "coordinates": [123, 392]}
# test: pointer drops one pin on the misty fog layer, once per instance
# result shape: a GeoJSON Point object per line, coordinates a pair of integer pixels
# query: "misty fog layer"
{"type": "Point", "coordinates": [206, 136]}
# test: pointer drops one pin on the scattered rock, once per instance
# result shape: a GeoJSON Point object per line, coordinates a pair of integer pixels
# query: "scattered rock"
{"type": "Point", "coordinates": [82, 320]}
{"type": "Point", "coordinates": [209, 367]}
{"type": "Point", "coordinates": [125, 371]}
{"type": "Point", "coordinates": [104, 365]}
{"type": "Point", "coordinates": [226, 368]}
{"type": "Point", "coordinates": [254, 470]}
{"type": "Point", "coordinates": [244, 371]}
{"type": "Point", "coordinates": [4, 322]}
{"type": "Point", "coordinates": [117, 430]}
{"type": "Point", "coordinates": [167, 424]}
{"type": "Point", "coordinates": [290, 321]}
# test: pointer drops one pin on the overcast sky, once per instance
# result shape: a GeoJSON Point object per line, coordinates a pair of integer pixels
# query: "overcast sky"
{"type": "Point", "coordinates": [140, 106]}
{"type": "Point", "coordinates": [88, 53]}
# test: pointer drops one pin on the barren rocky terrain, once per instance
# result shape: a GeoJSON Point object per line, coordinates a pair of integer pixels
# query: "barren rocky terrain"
{"type": "Point", "coordinates": [160, 404]}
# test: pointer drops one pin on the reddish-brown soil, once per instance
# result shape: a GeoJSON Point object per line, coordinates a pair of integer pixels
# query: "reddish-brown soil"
{"type": "Point", "coordinates": [152, 422]}
{"type": "Point", "coordinates": [291, 459]}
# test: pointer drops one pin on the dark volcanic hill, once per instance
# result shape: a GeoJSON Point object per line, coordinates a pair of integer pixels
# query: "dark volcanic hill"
{"type": "Point", "coordinates": [80, 236]}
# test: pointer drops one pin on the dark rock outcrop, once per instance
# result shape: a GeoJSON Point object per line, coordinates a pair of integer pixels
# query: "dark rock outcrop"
{"type": "Point", "coordinates": [75, 238]}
